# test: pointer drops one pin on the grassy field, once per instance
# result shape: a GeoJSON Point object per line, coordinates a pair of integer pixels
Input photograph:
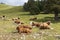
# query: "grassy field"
{"type": "Point", "coordinates": [8, 27]}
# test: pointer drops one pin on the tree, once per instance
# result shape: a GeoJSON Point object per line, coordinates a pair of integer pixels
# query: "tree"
{"type": "Point", "coordinates": [25, 7]}
{"type": "Point", "coordinates": [32, 7]}
{"type": "Point", "coordinates": [56, 10]}
{"type": "Point", "coordinates": [56, 13]}
{"type": "Point", "coordinates": [34, 10]}
{"type": "Point", "coordinates": [52, 5]}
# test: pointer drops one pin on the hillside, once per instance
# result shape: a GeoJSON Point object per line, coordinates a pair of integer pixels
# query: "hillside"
{"type": "Point", "coordinates": [6, 8]}
{"type": "Point", "coordinates": [8, 27]}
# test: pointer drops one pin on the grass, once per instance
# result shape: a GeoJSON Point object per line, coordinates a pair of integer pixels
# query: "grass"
{"type": "Point", "coordinates": [7, 27]}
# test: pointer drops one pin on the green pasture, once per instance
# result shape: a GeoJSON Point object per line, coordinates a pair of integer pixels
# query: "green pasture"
{"type": "Point", "coordinates": [14, 12]}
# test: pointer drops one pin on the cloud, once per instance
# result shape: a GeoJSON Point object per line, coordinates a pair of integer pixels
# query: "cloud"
{"type": "Point", "coordinates": [14, 2]}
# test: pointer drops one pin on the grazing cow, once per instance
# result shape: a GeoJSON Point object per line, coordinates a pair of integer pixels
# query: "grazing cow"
{"type": "Point", "coordinates": [34, 18]}
{"type": "Point", "coordinates": [23, 29]}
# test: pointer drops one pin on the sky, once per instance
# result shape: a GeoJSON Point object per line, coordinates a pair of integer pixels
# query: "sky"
{"type": "Point", "coordinates": [14, 2]}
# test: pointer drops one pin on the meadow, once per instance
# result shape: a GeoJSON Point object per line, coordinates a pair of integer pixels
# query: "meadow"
{"type": "Point", "coordinates": [7, 28]}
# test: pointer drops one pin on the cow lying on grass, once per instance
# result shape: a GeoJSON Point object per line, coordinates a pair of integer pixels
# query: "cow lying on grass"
{"type": "Point", "coordinates": [37, 24]}
{"type": "Point", "coordinates": [33, 18]}
{"type": "Point", "coordinates": [17, 21]}
{"type": "Point", "coordinates": [45, 25]}
{"type": "Point", "coordinates": [24, 29]}
{"type": "Point", "coordinates": [3, 17]}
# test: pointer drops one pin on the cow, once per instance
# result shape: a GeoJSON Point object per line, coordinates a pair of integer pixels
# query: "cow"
{"type": "Point", "coordinates": [4, 17]}
{"type": "Point", "coordinates": [44, 25]}
{"type": "Point", "coordinates": [15, 19]}
{"type": "Point", "coordinates": [33, 18]}
{"type": "Point", "coordinates": [37, 24]}
{"type": "Point", "coordinates": [24, 28]}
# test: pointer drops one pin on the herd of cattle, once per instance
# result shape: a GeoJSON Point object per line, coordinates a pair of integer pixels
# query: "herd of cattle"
{"type": "Point", "coordinates": [25, 28]}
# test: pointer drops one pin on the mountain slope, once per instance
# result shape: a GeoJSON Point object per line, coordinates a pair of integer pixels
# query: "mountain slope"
{"type": "Point", "coordinates": [10, 9]}
{"type": "Point", "coordinates": [4, 7]}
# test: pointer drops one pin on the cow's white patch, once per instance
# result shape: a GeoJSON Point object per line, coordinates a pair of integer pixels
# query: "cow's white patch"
{"type": "Point", "coordinates": [31, 22]}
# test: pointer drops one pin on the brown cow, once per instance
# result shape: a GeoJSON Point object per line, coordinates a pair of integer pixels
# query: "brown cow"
{"type": "Point", "coordinates": [45, 25]}
{"type": "Point", "coordinates": [15, 19]}
{"type": "Point", "coordinates": [33, 18]}
{"type": "Point", "coordinates": [24, 29]}
{"type": "Point", "coordinates": [37, 24]}
{"type": "Point", "coordinates": [18, 22]}
{"type": "Point", "coordinates": [25, 26]}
